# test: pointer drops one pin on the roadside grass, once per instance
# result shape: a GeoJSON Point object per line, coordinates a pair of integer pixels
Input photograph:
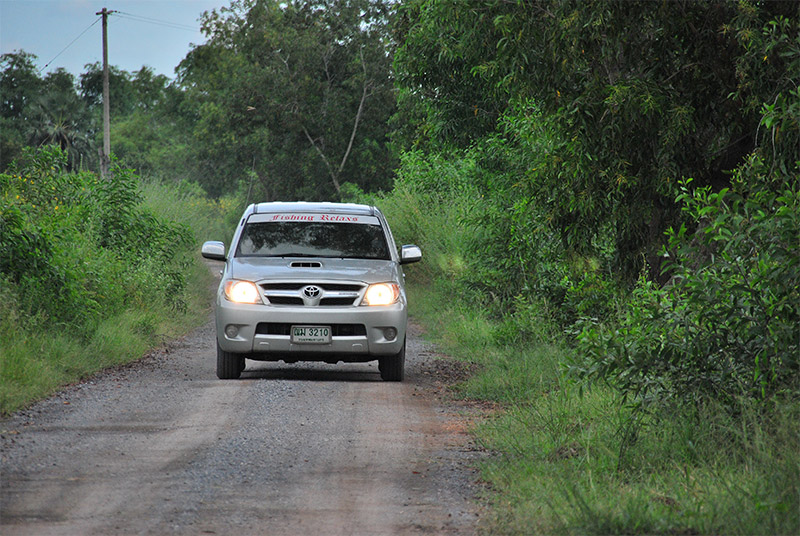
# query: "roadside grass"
{"type": "Point", "coordinates": [35, 363]}
{"type": "Point", "coordinates": [37, 357]}
{"type": "Point", "coordinates": [567, 460]}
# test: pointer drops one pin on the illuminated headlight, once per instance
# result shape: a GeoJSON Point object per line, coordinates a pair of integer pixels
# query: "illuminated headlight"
{"type": "Point", "coordinates": [242, 292]}
{"type": "Point", "coordinates": [382, 294]}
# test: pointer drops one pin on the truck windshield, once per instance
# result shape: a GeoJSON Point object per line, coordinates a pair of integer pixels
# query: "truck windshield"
{"type": "Point", "coordinates": [313, 239]}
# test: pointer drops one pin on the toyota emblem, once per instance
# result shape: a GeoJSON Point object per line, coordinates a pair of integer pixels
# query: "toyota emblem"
{"type": "Point", "coordinates": [312, 292]}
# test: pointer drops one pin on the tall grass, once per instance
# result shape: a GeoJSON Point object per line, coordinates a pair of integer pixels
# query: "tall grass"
{"type": "Point", "coordinates": [187, 204]}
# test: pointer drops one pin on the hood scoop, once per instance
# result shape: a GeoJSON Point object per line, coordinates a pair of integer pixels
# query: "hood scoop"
{"type": "Point", "coordinates": [305, 264]}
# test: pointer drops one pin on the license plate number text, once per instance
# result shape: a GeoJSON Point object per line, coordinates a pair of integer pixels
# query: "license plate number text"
{"type": "Point", "coordinates": [311, 334]}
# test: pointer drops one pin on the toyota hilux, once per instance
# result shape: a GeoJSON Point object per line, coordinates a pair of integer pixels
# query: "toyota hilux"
{"type": "Point", "coordinates": [312, 282]}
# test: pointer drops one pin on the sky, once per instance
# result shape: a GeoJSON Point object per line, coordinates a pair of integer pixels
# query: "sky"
{"type": "Point", "coordinates": [155, 33]}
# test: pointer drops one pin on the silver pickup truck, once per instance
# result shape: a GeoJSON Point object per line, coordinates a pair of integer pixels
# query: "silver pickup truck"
{"type": "Point", "coordinates": [312, 282]}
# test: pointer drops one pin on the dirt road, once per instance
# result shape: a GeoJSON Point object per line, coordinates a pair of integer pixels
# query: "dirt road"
{"type": "Point", "coordinates": [163, 447]}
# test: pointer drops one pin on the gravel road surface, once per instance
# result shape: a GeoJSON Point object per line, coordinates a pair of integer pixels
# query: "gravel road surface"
{"type": "Point", "coordinates": [163, 447]}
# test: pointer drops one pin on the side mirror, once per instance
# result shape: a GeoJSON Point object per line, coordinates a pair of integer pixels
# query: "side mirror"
{"type": "Point", "coordinates": [409, 254]}
{"type": "Point", "coordinates": [213, 250]}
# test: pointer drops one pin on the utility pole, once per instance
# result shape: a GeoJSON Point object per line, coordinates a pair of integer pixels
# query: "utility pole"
{"type": "Point", "coordinates": [105, 156]}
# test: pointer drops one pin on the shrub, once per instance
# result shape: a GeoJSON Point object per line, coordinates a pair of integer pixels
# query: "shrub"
{"type": "Point", "coordinates": [727, 327]}
{"type": "Point", "coordinates": [74, 245]}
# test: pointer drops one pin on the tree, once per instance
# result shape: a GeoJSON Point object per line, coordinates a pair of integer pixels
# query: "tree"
{"type": "Point", "coordinates": [122, 97]}
{"type": "Point", "coordinates": [440, 44]}
{"type": "Point", "coordinates": [42, 111]}
{"type": "Point", "coordinates": [59, 117]}
{"type": "Point", "coordinates": [150, 127]}
{"type": "Point", "coordinates": [154, 137]}
{"type": "Point", "coordinates": [19, 84]}
{"type": "Point", "coordinates": [640, 94]}
{"type": "Point", "coordinates": [296, 93]}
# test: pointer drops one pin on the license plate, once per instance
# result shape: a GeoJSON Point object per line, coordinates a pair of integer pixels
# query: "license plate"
{"type": "Point", "coordinates": [311, 334]}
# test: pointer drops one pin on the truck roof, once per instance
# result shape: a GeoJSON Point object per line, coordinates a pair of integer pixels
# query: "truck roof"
{"type": "Point", "coordinates": [303, 206]}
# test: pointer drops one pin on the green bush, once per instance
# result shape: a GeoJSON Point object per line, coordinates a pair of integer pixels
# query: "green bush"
{"type": "Point", "coordinates": [75, 245]}
{"type": "Point", "coordinates": [727, 326]}
{"type": "Point", "coordinates": [92, 272]}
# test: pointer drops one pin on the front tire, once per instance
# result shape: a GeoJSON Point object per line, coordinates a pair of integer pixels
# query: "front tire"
{"type": "Point", "coordinates": [229, 365]}
{"type": "Point", "coordinates": [392, 367]}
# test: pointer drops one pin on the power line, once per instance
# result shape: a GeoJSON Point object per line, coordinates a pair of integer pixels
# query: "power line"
{"type": "Point", "coordinates": [124, 15]}
{"type": "Point", "coordinates": [157, 22]}
{"type": "Point", "coordinates": [66, 47]}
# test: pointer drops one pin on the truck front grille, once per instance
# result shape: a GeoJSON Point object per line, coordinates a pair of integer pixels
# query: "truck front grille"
{"type": "Point", "coordinates": [297, 294]}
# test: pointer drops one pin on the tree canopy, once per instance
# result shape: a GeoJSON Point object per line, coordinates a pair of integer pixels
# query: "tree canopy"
{"type": "Point", "coordinates": [295, 94]}
{"type": "Point", "coordinates": [59, 110]}
{"type": "Point", "coordinates": [40, 111]}
{"type": "Point", "coordinates": [637, 95]}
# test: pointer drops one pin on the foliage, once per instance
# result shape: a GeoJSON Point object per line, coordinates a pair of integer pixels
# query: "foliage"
{"type": "Point", "coordinates": [728, 325]}
{"type": "Point", "coordinates": [439, 44]}
{"type": "Point", "coordinates": [488, 231]}
{"type": "Point", "coordinates": [432, 203]}
{"type": "Point", "coordinates": [93, 272]}
{"type": "Point", "coordinates": [580, 177]}
{"type": "Point", "coordinates": [560, 463]}
{"type": "Point", "coordinates": [568, 463]}
{"type": "Point", "coordinates": [150, 128]}
{"type": "Point", "coordinates": [42, 111]}
{"type": "Point", "coordinates": [570, 135]}
{"type": "Point", "coordinates": [76, 247]}
{"type": "Point", "coordinates": [631, 112]}
{"type": "Point", "coordinates": [141, 90]}
{"type": "Point", "coordinates": [157, 144]}
{"type": "Point", "coordinates": [296, 93]}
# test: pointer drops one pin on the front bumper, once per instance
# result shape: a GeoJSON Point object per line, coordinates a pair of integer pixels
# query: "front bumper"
{"type": "Point", "coordinates": [254, 339]}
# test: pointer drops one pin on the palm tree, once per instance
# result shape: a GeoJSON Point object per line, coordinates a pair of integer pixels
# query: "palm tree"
{"type": "Point", "coordinates": [58, 116]}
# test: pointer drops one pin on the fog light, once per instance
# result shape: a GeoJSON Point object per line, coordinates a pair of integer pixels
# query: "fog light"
{"type": "Point", "coordinates": [390, 334]}
{"type": "Point", "coordinates": [231, 331]}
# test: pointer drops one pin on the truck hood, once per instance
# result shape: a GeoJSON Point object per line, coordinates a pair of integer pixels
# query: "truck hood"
{"type": "Point", "coordinates": [312, 269]}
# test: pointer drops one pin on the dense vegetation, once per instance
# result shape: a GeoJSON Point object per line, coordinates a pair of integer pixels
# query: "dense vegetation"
{"type": "Point", "coordinates": [662, 161]}
{"type": "Point", "coordinates": [578, 458]}
{"type": "Point", "coordinates": [92, 272]}
{"type": "Point", "coordinates": [606, 192]}
{"type": "Point", "coordinates": [619, 186]}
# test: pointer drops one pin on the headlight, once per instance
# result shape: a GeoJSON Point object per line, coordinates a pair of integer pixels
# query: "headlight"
{"type": "Point", "coordinates": [382, 294]}
{"type": "Point", "coordinates": [242, 292]}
